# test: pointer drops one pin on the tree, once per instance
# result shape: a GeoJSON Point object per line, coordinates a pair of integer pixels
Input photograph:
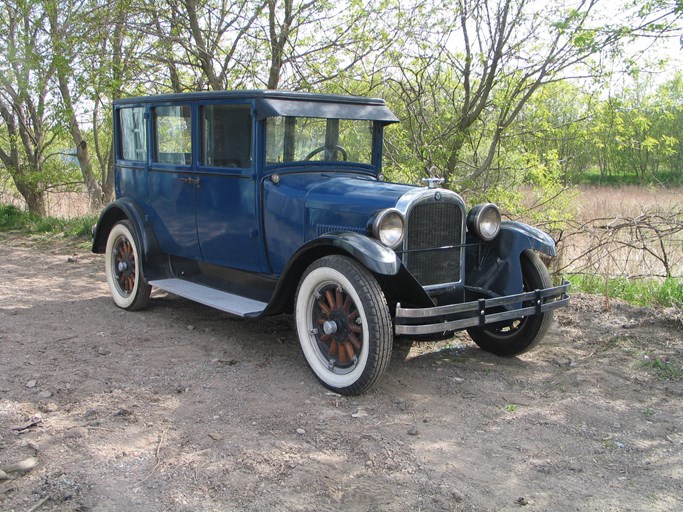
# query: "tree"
{"type": "Point", "coordinates": [464, 87]}
{"type": "Point", "coordinates": [95, 55]}
{"type": "Point", "coordinates": [65, 29]}
{"type": "Point", "coordinates": [554, 126]}
{"type": "Point", "coordinates": [312, 44]}
{"type": "Point", "coordinates": [25, 77]}
{"type": "Point", "coordinates": [202, 43]}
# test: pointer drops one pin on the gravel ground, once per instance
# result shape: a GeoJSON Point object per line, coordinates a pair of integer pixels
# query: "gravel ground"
{"type": "Point", "coordinates": [183, 408]}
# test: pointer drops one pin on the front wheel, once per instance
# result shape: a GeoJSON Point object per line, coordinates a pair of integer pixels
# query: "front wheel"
{"type": "Point", "coordinates": [123, 268]}
{"type": "Point", "coordinates": [344, 324]}
{"type": "Point", "coordinates": [524, 333]}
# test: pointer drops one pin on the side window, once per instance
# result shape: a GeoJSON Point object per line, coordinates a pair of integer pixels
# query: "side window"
{"type": "Point", "coordinates": [173, 138]}
{"type": "Point", "coordinates": [132, 134]}
{"type": "Point", "coordinates": [275, 139]}
{"type": "Point", "coordinates": [226, 135]}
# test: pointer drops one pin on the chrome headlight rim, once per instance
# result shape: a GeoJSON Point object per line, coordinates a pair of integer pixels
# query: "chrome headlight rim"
{"type": "Point", "coordinates": [479, 215]}
{"type": "Point", "coordinates": [380, 223]}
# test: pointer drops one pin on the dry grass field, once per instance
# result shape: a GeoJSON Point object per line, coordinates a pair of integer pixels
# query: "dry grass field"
{"type": "Point", "coordinates": [625, 232]}
{"type": "Point", "coordinates": [627, 201]}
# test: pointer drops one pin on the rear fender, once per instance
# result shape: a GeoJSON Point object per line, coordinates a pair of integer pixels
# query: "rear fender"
{"type": "Point", "coordinates": [121, 209]}
{"type": "Point", "coordinates": [496, 266]}
{"type": "Point", "coordinates": [126, 209]}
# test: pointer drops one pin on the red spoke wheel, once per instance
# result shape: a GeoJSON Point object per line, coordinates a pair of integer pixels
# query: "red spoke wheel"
{"type": "Point", "coordinates": [124, 269]}
{"type": "Point", "coordinates": [343, 324]}
{"type": "Point", "coordinates": [340, 331]}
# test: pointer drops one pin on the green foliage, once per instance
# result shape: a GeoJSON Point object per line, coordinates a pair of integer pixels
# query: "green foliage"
{"type": "Point", "coordinates": [530, 189]}
{"type": "Point", "coordinates": [645, 292]}
{"type": "Point", "coordinates": [12, 218]}
{"type": "Point", "coordinates": [637, 135]}
{"type": "Point", "coordinates": [15, 219]}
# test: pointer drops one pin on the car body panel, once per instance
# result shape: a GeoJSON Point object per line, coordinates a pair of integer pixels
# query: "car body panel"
{"type": "Point", "coordinates": [325, 201]}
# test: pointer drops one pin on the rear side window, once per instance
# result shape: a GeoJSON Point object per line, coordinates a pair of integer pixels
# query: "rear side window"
{"type": "Point", "coordinates": [132, 134]}
{"type": "Point", "coordinates": [172, 135]}
{"type": "Point", "coordinates": [226, 135]}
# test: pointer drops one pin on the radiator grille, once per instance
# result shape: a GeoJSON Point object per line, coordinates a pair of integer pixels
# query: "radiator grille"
{"type": "Point", "coordinates": [433, 226]}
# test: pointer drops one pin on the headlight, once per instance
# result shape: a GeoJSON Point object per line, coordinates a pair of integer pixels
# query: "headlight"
{"type": "Point", "coordinates": [389, 227]}
{"type": "Point", "coordinates": [484, 221]}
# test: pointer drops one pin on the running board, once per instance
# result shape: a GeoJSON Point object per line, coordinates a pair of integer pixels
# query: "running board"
{"type": "Point", "coordinates": [228, 302]}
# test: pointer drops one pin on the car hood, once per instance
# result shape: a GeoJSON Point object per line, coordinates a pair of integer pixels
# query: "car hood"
{"type": "Point", "coordinates": [354, 195]}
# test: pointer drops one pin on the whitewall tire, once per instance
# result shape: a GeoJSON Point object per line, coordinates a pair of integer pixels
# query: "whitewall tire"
{"type": "Point", "coordinates": [123, 268]}
{"type": "Point", "coordinates": [344, 325]}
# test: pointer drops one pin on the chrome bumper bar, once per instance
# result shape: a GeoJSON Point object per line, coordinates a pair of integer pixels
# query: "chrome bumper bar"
{"type": "Point", "coordinates": [453, 317]}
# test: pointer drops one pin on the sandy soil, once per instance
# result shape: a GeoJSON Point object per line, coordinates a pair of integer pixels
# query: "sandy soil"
{"type": "Point", "coordinates": [182, 408]}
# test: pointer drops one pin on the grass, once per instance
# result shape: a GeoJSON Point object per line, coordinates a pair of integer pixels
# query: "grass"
{"type": "Point", "coordinates": [644, 292]}
{"type": "Point", "coordinates": [15, 219]}
{"type": "Point", "coordinates": [663, 369]}
{"type": "Point", "coordinates": [592, 177]}
{"type": "Point", "coordinates": [595, 202]}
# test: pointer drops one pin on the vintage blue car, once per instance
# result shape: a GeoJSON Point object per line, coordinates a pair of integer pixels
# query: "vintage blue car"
{"type": "Point", "coordinates": [264, 202]}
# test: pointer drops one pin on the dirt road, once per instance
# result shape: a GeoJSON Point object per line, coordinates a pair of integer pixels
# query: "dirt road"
{"type": "Point", "coordinates": [183, 408]}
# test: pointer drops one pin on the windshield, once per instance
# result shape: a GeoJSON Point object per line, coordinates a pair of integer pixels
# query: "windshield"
{"type": "Point", "coordinates": [300, 139]}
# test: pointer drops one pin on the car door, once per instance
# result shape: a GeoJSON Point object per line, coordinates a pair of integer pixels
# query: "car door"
{"type": "Point", "coordinates": [226, 195]}
{"type": "Point", "coordinates": [171, 181]}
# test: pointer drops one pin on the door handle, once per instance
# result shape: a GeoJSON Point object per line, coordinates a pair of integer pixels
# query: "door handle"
{"type": "Point", "coordinates": [191, 180]}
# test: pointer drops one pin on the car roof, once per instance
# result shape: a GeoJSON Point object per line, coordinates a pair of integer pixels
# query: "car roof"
{"type": "Point", "coordinates": [270, 103]}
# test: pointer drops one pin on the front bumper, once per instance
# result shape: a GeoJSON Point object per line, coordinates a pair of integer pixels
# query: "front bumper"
{"type": "Point", "coordinates": [478, 313]}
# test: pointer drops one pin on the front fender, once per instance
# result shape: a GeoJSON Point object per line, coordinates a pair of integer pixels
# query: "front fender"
{"type": "Point", "coordinates": [381, 260]}
{"type": "Point", "coordinates": [495, 267]}
{"type": "Point", "coordinates": [368, 251]}
{"type": "Point", "coordinates": [521, 236]}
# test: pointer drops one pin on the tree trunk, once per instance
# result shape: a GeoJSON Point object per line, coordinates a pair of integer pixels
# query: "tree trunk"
{"type": "Point", "coordinates": [108, 182]}
{"type": "Point", "coordinates": [278, 40]}
{"type": "Point", "coordinates": [36, 203]}
{"type": "Point", "coordinates": [91, 184]}
{"type": "Point", "coordinates": [35, 199]}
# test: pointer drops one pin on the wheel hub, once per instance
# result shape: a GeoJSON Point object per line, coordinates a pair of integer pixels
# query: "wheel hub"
{"type": "Point", "coordinates": [330, 327]}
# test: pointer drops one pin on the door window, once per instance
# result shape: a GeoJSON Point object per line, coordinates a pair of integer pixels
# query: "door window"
{"type": "Point", "coordinates": [173, 137]}
{"type": "Point", "coordinates": [132, 134]}
{"type": "Point", "coordinates": [226, 136]}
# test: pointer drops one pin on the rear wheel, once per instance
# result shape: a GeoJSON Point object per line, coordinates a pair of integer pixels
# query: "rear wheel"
{"type": "Point", "coordinates": [525, 333]}
{"type": "Point", "coordinates": [123, 268]}
{"type": "Point", "coordinates": [344, 324]}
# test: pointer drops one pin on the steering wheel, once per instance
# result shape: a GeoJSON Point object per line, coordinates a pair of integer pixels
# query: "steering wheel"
{"type": "Point", "coordinates": [334, 147]}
